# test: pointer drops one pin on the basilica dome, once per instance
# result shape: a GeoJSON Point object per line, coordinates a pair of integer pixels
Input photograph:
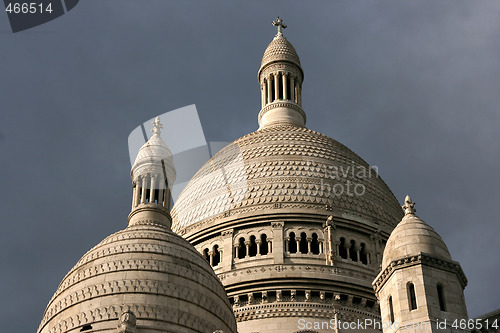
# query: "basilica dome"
{"type": "Point", "coordinates": [288, 167]}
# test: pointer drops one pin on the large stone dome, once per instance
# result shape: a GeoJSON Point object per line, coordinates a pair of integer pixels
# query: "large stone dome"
{"type": "Point", "coordinates": [145, 269]}
{"type": "Point", "coordinates": [286, 167]}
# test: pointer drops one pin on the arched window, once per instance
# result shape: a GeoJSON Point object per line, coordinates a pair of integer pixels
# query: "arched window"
{"type": "Point", "coordinates": [292, 243]}
{"type": "Point", "coordinates": [362, 254]}
{"type": "Point", "coordinates": [264, 247]}
{"type": "Point", "coordinates": [391, 310]}
{"type": "Point", "coordinates": [303, 247]}
{"type": "Point", "coordinates": [352, 251]}
{"type": "Point", "coordinates": [342, 249]}
{"type": "Point", "coordinates": [205, 255]}
{"type": "Point", "coordinates": [440, 290]}
{"type": "Point", "coordinates": [242, 249]}
{"type": "Point", "coordinates": [252, 250]}
{"type": "Point", "coordinates": [216, 259]}
{"type": "Point", "coordinates": [315, 244]}
{"type": "Point", "coordinates": [412, 299]}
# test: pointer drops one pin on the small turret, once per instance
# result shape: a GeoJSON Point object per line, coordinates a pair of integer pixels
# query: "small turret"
{"type": "Point", "coordinates": [153, 174]}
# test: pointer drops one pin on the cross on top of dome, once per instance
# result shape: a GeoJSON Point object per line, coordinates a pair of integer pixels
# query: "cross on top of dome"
{"type": "Point", "coordinates": [409, 206]}
{"type": "Point", "coordinates": [280, 24]}
{"type": "Point", "coordinates": [157, 126]}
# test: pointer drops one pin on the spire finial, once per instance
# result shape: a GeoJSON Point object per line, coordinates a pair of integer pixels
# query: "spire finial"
{"type": "Point", "coordinates": [280, 24]}
{"type": "Point", "coordinates": [408, 206]}
{"type": "Point", "coordinates": [157, 126]}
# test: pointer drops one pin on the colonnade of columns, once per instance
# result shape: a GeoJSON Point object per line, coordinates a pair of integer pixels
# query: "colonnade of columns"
{"type": "Point", "coordinates": [150, 189]}
{"type": "Point", "coordinates": [281, 86]}
{"type": "Point", "coordinates": [297, 241]}
{"type": "Point", "coordinates": [248, 243]}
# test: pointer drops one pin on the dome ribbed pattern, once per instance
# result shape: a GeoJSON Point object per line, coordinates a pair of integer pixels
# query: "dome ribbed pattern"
{"type": "Point", "coordinates": [280, 49]}
{"type": "Point", "coordinates": [413, 236]}
{"type": "Point", "coordinates": [287, 167]}
{"type": "Point", "coordinates": [148, 270]}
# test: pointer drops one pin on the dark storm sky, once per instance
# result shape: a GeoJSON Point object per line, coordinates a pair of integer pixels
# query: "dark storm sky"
{"type": "Point", "coordinates": [411, 86]}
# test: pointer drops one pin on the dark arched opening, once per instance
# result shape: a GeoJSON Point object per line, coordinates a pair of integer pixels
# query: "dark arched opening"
{"type": "Point", "coordinates": [264, 247]}
{"type": "Point", "coordinates": [216, 259]}
{"type": "Point", "coordinates": [342, 249]}
{"type": "Point", "coordinates": [242, 249]}
{"type": "Point", "coordinates": [292, 243]}
{"type": "Point", "coordinates": [362, 254]}
{"type": "Point", "coordinates": [252, 250]}
{"type": "Point", "coordinates": [315, 244]}
{"type": "Point", "coordinates": [412, 298]}
{"type": "Point", "coordinates": [303, 248]}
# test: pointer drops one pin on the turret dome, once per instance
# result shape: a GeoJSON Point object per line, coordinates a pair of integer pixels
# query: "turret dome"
{"type": "Point", "coordinates": [148, 270]}
{"type": "Point", "coordinates": [280, 49]}
{"type": "Point", "coordinates": [412, 236]}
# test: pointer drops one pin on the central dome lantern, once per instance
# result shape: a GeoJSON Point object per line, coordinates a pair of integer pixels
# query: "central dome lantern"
{"type": "Point", "coordinates": [280, 78]}
{"type": "Point", "coordinates": [293, 222]}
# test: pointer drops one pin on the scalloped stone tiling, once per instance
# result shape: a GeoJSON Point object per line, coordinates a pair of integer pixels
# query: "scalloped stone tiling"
{"type": "Point", "coordinates": [285, 164]}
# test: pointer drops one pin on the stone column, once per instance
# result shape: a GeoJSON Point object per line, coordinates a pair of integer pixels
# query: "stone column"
{"type": "Point", "coordinates": [138, 192]}
{"type": "Point", "coordinates": [269, 89]}
{"type": "Point", "coordinates": [292, 88]}
{"type": "Point", "coordinates": [299, 95]}
{"type": "Point", "coordinates": [278, 296]}
{"type": "Point", "coordinates": [269, 245]}
{"type": "Point", "coordinates": [263, 93]}
{"type": "Point", "coordinates": [211, 256]}
{"type": "Point", "coordinates": [152, 190]}
{"type": "Point", "coordinates": [309, 241]}
{"type": "Point", "coordinates": [276, 87]}
{"type": "Point", "coordinates": [376, 244]}
{"type": "Point", "coordinates": [144, 188]}
{"type": "Point", "coordinates": [258, 242]}
{"type": "Point", "coordinates": [264, 297]}
{"type": "Point", "coordinates": [284, 77]}
{"type": "Point", "coordinates": [227, 243]}
{"type": "Point", "coordinates": [236, 247]}
{"type": "Point", "coordinates": [247, 244]}
{"type": "Point", "coordinates": [278, 242]}
{"type": "Point", "coordinates": [160, 196]}
{"type": "Point", "coordinates": [287, 241]}
{"type": "Point", "coordinates": [134, 188]}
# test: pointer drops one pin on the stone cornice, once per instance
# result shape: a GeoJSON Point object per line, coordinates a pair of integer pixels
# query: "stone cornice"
{"type": "Point", "coordinates": [282, 104]}
{"type": "Point", "coordinates": [298, 309]}
{"type": "Point", "coordinates": [420, 259]}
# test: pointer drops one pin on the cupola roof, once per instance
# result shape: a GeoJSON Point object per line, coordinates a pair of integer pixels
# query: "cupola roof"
{"type": "Point", "coordinates": [412, 236]}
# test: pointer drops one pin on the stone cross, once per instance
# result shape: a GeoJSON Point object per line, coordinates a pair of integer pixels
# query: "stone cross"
{"type": "Point", "coordinates": [157, 126]}
{"type": "Point", "coordinates": [408, 206]}
{"type": "Point", "coordinates": [279, 23]}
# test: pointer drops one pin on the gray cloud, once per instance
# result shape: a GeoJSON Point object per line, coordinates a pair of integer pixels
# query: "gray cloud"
{"type": "Point", "coordinates": [412, 87]}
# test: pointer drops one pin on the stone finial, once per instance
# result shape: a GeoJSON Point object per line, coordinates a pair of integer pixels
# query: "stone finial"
{"type": "Point", "coordinates": [280, 24]}
{"type": "Point", "coordinates": [408, 206]}
{"type": "Point", "coordinates": [157, 126]}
